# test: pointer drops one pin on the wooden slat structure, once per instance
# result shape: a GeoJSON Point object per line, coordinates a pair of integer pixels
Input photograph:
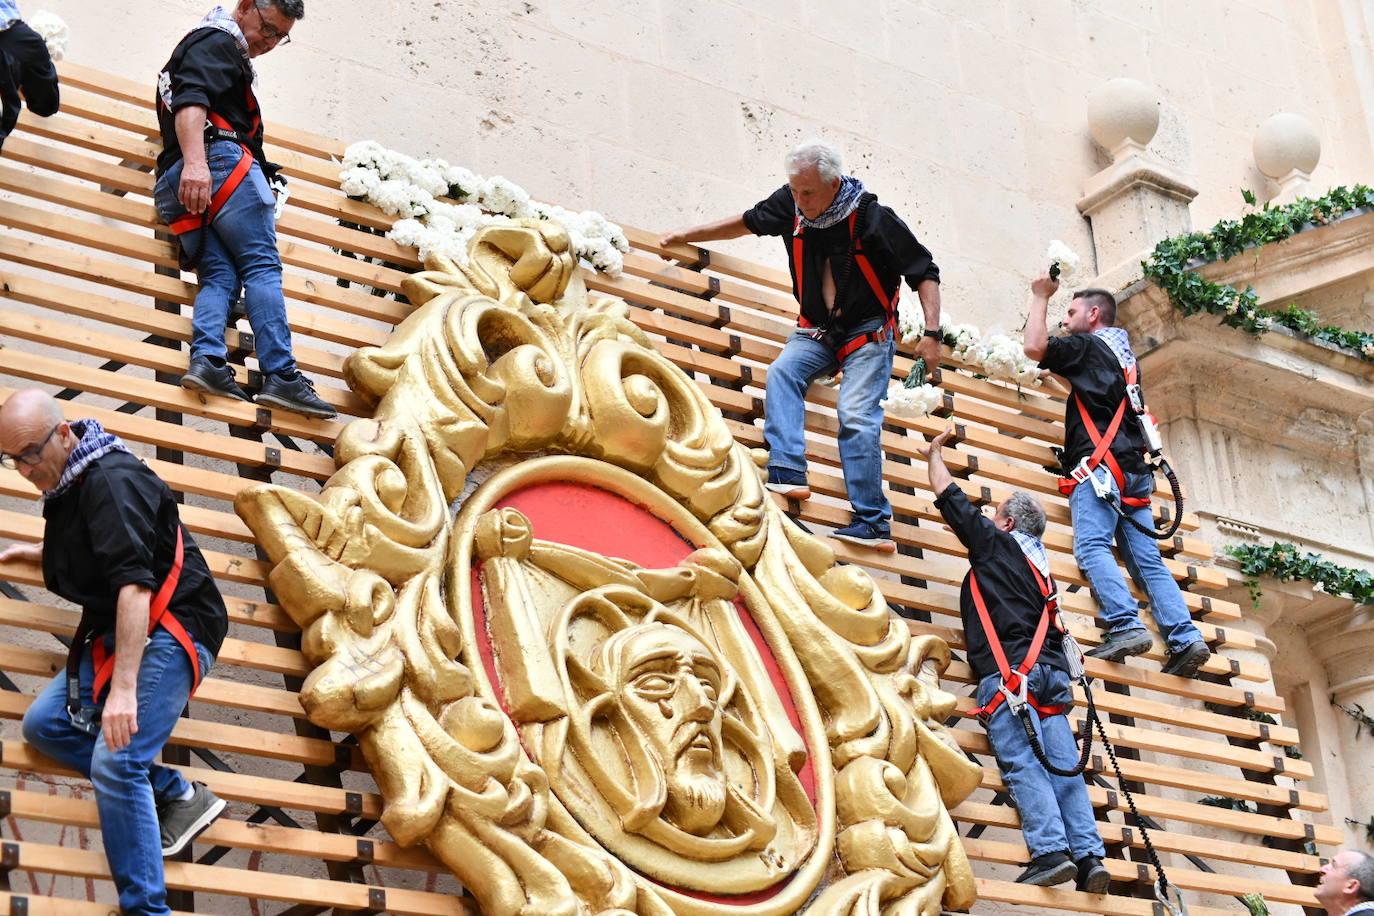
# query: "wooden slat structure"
{"type": "Point", "coordinates": [92, 305]}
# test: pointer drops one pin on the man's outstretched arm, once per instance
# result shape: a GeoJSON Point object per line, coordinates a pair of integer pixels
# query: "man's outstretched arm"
{"type": "Point", "coordinates": [732, 227]}
{"type": "Point", "coordinates": [1037, 331]}
{"type": "Point", "coordinates": [940, 478]}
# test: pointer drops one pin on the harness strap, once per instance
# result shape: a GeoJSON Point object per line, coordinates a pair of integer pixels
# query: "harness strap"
{"type": "Point", "coordinates": [219, 128]}
{"type": "Point", "coordinates": [158, 615]}
{"type": "Point", "coordinates": [889, 303]}
{"type": "Point", "coordinates": [1102, 447]}
{"type": "Point", "coordinates": [1012, 680]}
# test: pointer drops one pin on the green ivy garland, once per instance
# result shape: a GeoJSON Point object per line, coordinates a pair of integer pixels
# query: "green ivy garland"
{"type": "Point", "coordinates": [1170, 267]}
{"type": "Point", "coordinates": [1285, 562]}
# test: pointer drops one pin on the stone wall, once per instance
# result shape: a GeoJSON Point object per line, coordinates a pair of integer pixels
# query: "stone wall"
{"type": "Point", "coordinates": [967, 117]}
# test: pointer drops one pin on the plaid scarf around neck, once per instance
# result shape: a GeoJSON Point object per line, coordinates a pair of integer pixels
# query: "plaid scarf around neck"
{"type": "Point", "coordinates": [95, 443]}
{"type": "Point", "coordinates": [845, 202]}
{"type": "Point", "coordinates": [1120, 343]}
{"type": "Point", "coordinates": [217, 18]}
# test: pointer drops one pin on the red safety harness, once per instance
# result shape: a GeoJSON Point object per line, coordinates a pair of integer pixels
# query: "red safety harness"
{"type": "Point", "coordinates": [1013, 682]}
{"type": "Point", "coordinates": [865, 266]}
{"type": "Point", "coordinates": [220, 129]}
{"type": "Point", "coordinates": [159, 614]}
{"type": "Point", "coordinates": [1102, 448]}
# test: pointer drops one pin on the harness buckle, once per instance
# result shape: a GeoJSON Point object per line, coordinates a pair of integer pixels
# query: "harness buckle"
{"type": "Point", "coordinates": [1102, 486]}
{"type": "Point", "coordinates": [1137, 399]}
{"type": "Point", "coordinates": [1016, 699]}
{"type": "Point", "coordinates": [278, 186]}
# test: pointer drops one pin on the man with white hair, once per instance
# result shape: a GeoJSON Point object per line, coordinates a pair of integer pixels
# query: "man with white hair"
{"type": "Point", "coordinates": [1346, 884]}
{"type": "Point", "coordinates": [848, 256]}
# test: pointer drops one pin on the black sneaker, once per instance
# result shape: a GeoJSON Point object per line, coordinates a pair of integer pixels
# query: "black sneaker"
{"type": "Point", "coordinates": [866, 534]}
{"type": "Point", "coordinates": [1117, 646]}
{"type": "Point", "coordinates": [183, 821]}
{"type": "Point", "coordinates": [203, 375]}
{"type": "Point", "coordinates": [296, 394]}
{"type": "Point", "coordinates": [1093, 878]}
{"type": "Point", "coordinates": [789, 483]}
{"type": "Point", "coordinates": [1186, 661]}
{"type": "Point", "coordinates": [1048, 870]}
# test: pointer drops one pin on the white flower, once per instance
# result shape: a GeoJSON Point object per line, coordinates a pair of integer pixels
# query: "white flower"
{"type": "Point", "coordinates": [501, 196]}
{"type": "Point", "coordinates": [367, 154]}
{"type": "Point", "coordinates": [911, 321]}
{"type": "Point", "coordinates": [52, 30]}
{"type": "Point", "coordinates": [1063, 255]}
{"type": "Point", "coordinates": [911, 403]}
{"type": "Point", "coordinates": [1266, 322]}
{"type": "Point", "coordinates": [1368, 349]}
{"type": "Point", "coordinates": [1233, 306]}
{"type": "Point", "coordinates": [359, 182]}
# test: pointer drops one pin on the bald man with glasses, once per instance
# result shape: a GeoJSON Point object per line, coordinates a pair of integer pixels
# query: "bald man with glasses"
{"type": "Point", "coordinates": [152, 622]}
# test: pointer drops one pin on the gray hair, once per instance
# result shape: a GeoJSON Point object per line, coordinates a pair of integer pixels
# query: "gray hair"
{"type": "Point", "coordinates": [825, 158]}
{"type": "Point", "coordinates": [291, 9]}
{"type": "Point", "coordinates": [1023, 509]}
{"type": "Point", "coordinates": [1363, 872]}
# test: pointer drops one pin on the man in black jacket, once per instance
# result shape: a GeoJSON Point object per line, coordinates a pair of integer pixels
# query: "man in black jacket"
{"type": "Point", "coordinates": [26, 71]}
{"type": "Point", "coordinates": [212, 189]}
{"type": "Point", "coordinates": [1096, 359]}
{"type": "Point", "coordinates": [152, 622]}
{"type": "Point", "coordinates": [848, 256]}
{"type": "Point", "coordinates": [1010, 578]}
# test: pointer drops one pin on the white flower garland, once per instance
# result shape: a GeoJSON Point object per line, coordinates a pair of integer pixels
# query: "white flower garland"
{"type": "Point", "coordinates": [410, 190]}
{"type": "Point", "coordinates": [52, 30]}
{"type": "Point", "coordinates": [997, 356]}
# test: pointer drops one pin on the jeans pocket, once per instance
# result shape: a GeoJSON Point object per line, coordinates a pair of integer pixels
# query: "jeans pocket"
{"type": "Point", "coordinates": [165, 194]}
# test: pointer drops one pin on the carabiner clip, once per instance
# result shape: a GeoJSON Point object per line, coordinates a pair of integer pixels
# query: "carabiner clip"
{"type": "Point", "coordinates": [1016, 699]}
{"type": "Point", "coordinates": [1178, 908]}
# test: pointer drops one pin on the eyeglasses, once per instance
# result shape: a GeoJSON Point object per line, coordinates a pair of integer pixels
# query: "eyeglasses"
{"type": "Point", "coordinates": [271, 32]}
{"type": "Point", "coordinates": [28, 457]}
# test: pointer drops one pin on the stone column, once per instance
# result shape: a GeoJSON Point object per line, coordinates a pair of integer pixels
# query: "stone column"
{"type": "Point", "coordinates": [1344, 641]}
{"type": "Point", "coordinates": [1137, 200]}
{"type": "Point", "coordinates": [1287, 149]}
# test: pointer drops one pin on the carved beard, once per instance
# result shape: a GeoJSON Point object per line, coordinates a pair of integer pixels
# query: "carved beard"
{"type": "Point", "coordinates": [696, 801]}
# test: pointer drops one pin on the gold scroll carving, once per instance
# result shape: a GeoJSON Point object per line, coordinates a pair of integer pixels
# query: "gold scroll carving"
{"type": "Point", "coordinates": [630, 750]}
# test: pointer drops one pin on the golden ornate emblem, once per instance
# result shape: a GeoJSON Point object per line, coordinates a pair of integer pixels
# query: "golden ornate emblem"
{"type": "Point", "coordinates": [591, 664]}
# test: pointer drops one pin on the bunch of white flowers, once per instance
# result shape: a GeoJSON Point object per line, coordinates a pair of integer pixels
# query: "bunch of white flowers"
{"type": "Point", "coordinates": [1368, 349]}
{"type": "Point", "coordinates": [417, 192]}
{"type": "Point", "coordinates": [52, 30]}
{"type": "Point", "coordinates": [911, 403]}
{"type": "Point", "coordinates": [1064, 256]}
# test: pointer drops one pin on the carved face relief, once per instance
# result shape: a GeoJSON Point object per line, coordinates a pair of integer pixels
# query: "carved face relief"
{"type": "Point", "coordinates": [667, 686]}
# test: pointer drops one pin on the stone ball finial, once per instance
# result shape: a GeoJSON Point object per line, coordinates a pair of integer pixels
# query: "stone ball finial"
{"type": "Point", "coordinates": [1286, 143]}
{"type": "Point", "coordinates": [1122, 110]}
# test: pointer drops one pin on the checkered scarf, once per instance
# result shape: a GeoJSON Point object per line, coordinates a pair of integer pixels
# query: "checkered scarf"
{"type": "Point", "coordinates": [9, 14]}
{"type": "Point", "coordinates": [1034, 551]}
{"type": "Point", "coordinates": [1120, 342]}
{"type": "Point", "coordinates": [95, 443]}
{"type": "Point", "coordinates": [217, 18]}
{"type": "Point", "coordinates": [845, 202]}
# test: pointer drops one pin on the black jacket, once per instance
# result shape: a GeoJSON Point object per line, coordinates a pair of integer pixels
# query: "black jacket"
{"type": "Point", "coordinates": [207, 69]}
{"type": "Point", "coordinates": [117, 526]}
{"type": "Point", "coordinates": [1095, 374]}
{"type": "Point", "coordinates": [888, 243]}
{"type": "Point", "coordinates": [1008, 587]}
{"type": "Point", "coordinates": [26, 75]}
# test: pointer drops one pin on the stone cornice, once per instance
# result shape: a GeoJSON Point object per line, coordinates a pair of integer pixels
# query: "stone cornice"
{"type": "Point", "coordinates": [1133, 171]}
{"type": "Point", "coordinates": [1309, 260]}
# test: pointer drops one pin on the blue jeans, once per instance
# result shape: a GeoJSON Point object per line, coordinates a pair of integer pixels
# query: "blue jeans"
{"type": "Point", "coordinates": [240, 253]}
{"type": "Point", "coordinates": [866, 373]}
{"type": "Point", "coordinates": [128, 784]}
{"type": "Point", "coordinates": [1055, 812]}
{"type": "Point", "coordinates": [1095, 526]}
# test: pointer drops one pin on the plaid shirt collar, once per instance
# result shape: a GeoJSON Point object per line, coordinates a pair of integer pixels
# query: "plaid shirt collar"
{"type": "Point", "coordinates": [1034, 551]}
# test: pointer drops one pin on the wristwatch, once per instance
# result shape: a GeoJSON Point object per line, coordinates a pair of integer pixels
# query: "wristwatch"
{"type": "Point", "coordinates": [933, 333]}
